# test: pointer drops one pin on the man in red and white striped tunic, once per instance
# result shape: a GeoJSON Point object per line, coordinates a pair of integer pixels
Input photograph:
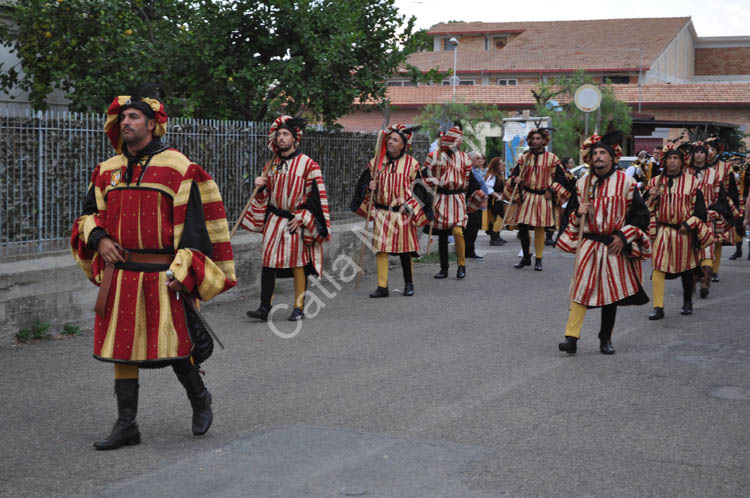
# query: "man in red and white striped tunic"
{"type": "Point", "coordinates": [677, 228]}
{"type": "Point", "coordinates": [607, 272]}
{"type": "Point", "coordinates": [536, 180]}
{"type": "Point", "coordinates": [449, 169]}
{"type": "Point", "coordinates": [725, 229]}
{"type": "Point", "coordinates": [396, 210]}
{"type": "Point", "coordinates": [291, 209]}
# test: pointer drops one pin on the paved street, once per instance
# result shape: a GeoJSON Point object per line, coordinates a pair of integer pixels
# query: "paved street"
{"type": "Point", "coordinates": [456, 392]}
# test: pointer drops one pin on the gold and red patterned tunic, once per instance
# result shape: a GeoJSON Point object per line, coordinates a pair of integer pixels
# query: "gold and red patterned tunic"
{"type": "Point", "coordinates": [616, 210]}
{"type": "Point", "coordinates": [710, 185]}
{"type": "Point", "coordinates": [725, 232]}
{"type": "Point", "coordinates": [451, 177]}
{"type": "Point", "coordinates": [396, 212]}
{"type": "Point", "coordinates": [680, 204]}
{"type": "Point", "coordinates": [294, 189]}
{"type": "Point", "coordinates": [171, 206]}
{"type": "Point", "coordinates": [538, 176]}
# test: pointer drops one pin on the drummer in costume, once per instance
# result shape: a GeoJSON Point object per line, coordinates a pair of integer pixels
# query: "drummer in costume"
{"type": "Point", "coordinates": [153, 236]}
{"type": "Point", "coordinates": [538, 180]}
{"type": "Point", "coordinates": [400, 206]}
{"type": "Point", "coordinates": [615, 222]}
{"type": "Point", "coordinates": [291, 210]}
{"type": "Point", "coordinates": [677, 229]}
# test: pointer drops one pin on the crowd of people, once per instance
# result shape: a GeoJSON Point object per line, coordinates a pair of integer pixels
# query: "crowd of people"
{"type": "Point", "coordinates": [153, 233]}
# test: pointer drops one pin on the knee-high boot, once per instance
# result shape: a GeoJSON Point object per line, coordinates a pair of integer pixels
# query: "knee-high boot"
{"type": "Point", "coordinates": [125, 431]}
{"type": "Point", "coordinates": [200, 399]}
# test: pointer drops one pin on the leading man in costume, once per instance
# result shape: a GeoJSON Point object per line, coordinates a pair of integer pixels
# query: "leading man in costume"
{"type": "Point", "coordinates": [399, 207]}
{"type": "Point", "coordinates": [677, 229]}
{"type": "Point", "coordinates": [536, 180]}
{"type": "Point", "coordinates": [291, 209]}
{"type": "Point", "coordinates": [150, 214]}
{"type": "Point", "coordinates": [608, 265]}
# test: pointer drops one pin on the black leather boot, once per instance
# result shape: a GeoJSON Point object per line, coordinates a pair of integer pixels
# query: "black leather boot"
{"type": "Point", "coordinates": [200, 400]}
{"type": "Point", "coordinates": [687, 307]}
{"type": "Point", "coordinates": [461, 272]}
{"type": "Point", "coordinates": [737, 252]}
{"type": "Point", "coordinates": [443, 273]}
{"type": "Point", "coordinates": [125, 431]}
{"type": "Point", "coordinates": [657, 314]}
{"type": "Point", "coordinates": [525, 261]}
{"type": "Point", "coordinates": [296, 315]}
{"type": "Point", "coordinates": [605, 342]}
{"type": "Point", "coordinates": [408, 289]}
{"type": "Point", "coordinates": [380, 292]}
{"type": "Point", "coordinates": [570, 345]}
{"type": "Point", "coordinates": [537, 264]}
{"type": "Point", "coordinates": [261, 313]}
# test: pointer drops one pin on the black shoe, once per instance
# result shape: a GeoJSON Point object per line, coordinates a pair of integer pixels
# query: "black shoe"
{"type": "Point", "coordinates": [200, 400]}
{"type": "Point", "coordinates": [704, 292]}
{"type": "Point", "coordinates": [715, 277]}
{"type": "Point", "coordinates": [569, 346]}
{"type": "Point", "coordinates": [408, 289]}
{"type": "Point", "coordinates": [549, 242]}
{"type": "Point", "coordinates": [125, 430]}
{"type": "Point", "coordinates": [657, 314]}
{"type": "Point", "coordinates": [537, 264]}
{"type": "Point", "coordinates": [605, 347]}
{"type": "Point", "coordinates": [737, 252]}
{"type": "Point", "coordinates": [261, 314]}
{"type": "Point", "coordinates": [298, 314]}
{"type": "Point", "coordinates": [443, 273]}
{"type": "Point", "coordinates": [497, 242]}
{"type": "Point", "coordinates": [474, 256]}
{"type": "Point", "coordinates": [501, 240]}
{"type": "Point", "coordinates": [525, 261]}
{"type": "Point", "coordinates": [461, 272]}
{"type": "Point", "coordinates": [380, 292]}
{"type": "Point", "coordinates": [687, 308]}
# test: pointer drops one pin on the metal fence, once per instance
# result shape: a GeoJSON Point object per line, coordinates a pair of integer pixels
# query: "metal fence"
{"type": "Point", "coordinates": [46, 160]}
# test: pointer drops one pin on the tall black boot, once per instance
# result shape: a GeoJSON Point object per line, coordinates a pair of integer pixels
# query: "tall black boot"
{"type": "Point", "coordinates": [200, 400]}
{"type": "Point", "coordinates": [737, 252]}
{"type": "Point", "coordinates": [523, 234]}
{"type": "Point", "coordinates": [687, 293]}
{"type": "Point", "coordinates": [408, 278]}
{"type": "Point", "coordinates": [609, 313]}
{"type": "Point", "coordinates": [125, 431]}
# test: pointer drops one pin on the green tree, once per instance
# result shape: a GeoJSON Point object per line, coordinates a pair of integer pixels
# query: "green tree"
{"type": "Point", "coordinates": [569, 122]}
{"type": "Point", "coordinates": [218, 59]}
{"type": "Point", "coordinates": [471, 116]}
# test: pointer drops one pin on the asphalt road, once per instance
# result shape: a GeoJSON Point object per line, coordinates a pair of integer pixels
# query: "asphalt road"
{"type": "Point", "coordinates": [458, 391]}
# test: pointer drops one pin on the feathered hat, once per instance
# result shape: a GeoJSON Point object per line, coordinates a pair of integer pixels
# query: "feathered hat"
{"type": "Point", "coordinates": [146, 100]}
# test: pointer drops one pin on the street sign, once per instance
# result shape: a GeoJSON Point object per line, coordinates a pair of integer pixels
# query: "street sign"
{"type": "Point", "coordinates": [588, 98]}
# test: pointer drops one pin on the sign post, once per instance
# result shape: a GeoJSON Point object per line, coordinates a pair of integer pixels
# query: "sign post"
{"type": "Point", "coordinates": [587, 98]}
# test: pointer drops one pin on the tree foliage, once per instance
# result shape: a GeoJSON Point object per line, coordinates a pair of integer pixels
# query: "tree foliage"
{"type": "Point", "coordinates": [471, 116]}
{"type": "Point", "coordinates": [569, 122]}
{"type": "Point", "coordinates": [218, 59]}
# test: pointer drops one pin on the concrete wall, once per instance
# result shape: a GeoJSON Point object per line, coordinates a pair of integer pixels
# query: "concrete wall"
{"type": "Point", "coordinates": [54, 290]}
{"type": "Point", "coordinates": [676, 63]}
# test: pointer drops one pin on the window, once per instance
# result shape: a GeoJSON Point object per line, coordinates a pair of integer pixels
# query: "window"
{"type": "Point", "coordinates": [401, 83]}
{"type": "Point", "coordinates": [507, 82]}
{"type": "Point", "coordinates": [447, 45]}
{"type": "Point", "coordinates": [618, 80]}
{"type": "Point", "coordinates": [499, 42]}
{"type": "Point", "coordinates": [460, 82]}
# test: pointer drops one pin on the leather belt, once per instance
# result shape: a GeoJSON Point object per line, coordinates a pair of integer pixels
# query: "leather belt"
{"type": "Point", "coordinates": [395, 209]}
{"type": "Point", "coordinates": [535, 191]}
{"type": "Point", "coordinates": [282, 213]}
{"type": "Point", "coordinates": [676, 226]}
{"type": "Point", "coordinates": [446, 191]}
{"type": "Point", "coordinates": [596, 237]}
{"type": "Point", "coordinates": [109, 270]}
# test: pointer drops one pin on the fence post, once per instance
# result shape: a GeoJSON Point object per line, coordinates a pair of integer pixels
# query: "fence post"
{"type": "Point", "coordinates": [40, 183]}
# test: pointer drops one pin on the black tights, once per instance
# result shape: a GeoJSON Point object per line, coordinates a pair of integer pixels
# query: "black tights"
{"type": "Point", "coordinates": [405, 258]}
{"type": "Point", "coordinates": [523, 234]}
{"type": "Point", "coordinates": [183, 367]}
{"type": "Point", "coordinates": [443, 248]}
{"type": "Point", "coordinates": [687, 285]}
{"type": "Point", "coordinates": [609, 313]}
{"type": "Point", "coordinates": [267, 285]}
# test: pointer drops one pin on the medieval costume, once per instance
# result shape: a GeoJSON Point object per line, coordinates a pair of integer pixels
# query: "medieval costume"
{"type": "Point", "coordinates": [743, 185]}
{"type": "Point", "coordinates": [602, 279]}
{"type": "Point", "coordinates": [476, 203]}
{"type": "Point", "coordinates": [399, 207]}
{"type": "Point", "coordinates": [726, 228]}
{"type": "Point", "coordinates": [715, 199]}
{"type": "Point", "coordinates": [449, 170]}
{"type": "Point", "coordinates": [495, 212]}
{"type": "Point", "coordinates": [164, 215]}
{"type": "Point", "coordinates": [293, 189]}
{"type": "Point", "coordinates": [542, 178]}
{"type": "Point", "coordinates": [678, 231]}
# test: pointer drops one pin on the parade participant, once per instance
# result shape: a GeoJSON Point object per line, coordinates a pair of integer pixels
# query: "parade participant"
{"type": "Point", "coordinates": [607, 271]}
{"type": "Point", "coordinates": [743, 185]}
{"type": "Point", "coordinates": [400, 205]}
{"type": "Point", "coordinates": [153, 235]}
{"type": "Point", "coordinates": [677, 229]}
{"type": "Point", "coordinates": [652, 165]}
{"type": "Point", "coordinates": [495, 179]}
{"type": "Point", "coordinates": [714, 198]}
{"type": "Point", "coordinates": [638, 168]}
{"type": "Point", "coordinates": [727, 179]}
{"type": "Point", "coordinates": [449, 170]}
{"type": "Point", "coordinates": [477, 194]}
{"type": "Point", "coordinates": [291, 209]}
{"type": "Point", "coordinates": [533, 185]}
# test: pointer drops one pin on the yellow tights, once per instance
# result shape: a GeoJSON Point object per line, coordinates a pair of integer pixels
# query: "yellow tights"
{"type": "Point", "coordinates": [458, 236]}
{"type": "Point", "coordinates": [575, 320]}
{"type": "Point", "coordinates": [657, 281]}
{"type": "Point", "coordinates": [300, 286]}
{"type": "Point", "coordinates": [717, 256]}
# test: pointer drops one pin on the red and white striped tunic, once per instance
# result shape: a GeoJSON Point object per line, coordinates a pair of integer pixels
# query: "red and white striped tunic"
{"type": "Point", "coordinates": [452, 174]}
{"type": "Point", "coordinates": [537, 172]}
{"type": "Point", "coordinates": [601, 278]}
{"type": "Point", "coordinates": [709, 183]}
{"type": "Point", "coordinates": [673, 251]}
{"type": "Point", "coordinates": [725, 233]}
{"type": "Point", "coordinates": [289, 185]}
{"type": "Point", "coordinates": [395, 232]}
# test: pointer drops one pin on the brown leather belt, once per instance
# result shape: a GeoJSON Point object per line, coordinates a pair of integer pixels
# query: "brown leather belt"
{"type": "Point", "coordinates": [109, 270]}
